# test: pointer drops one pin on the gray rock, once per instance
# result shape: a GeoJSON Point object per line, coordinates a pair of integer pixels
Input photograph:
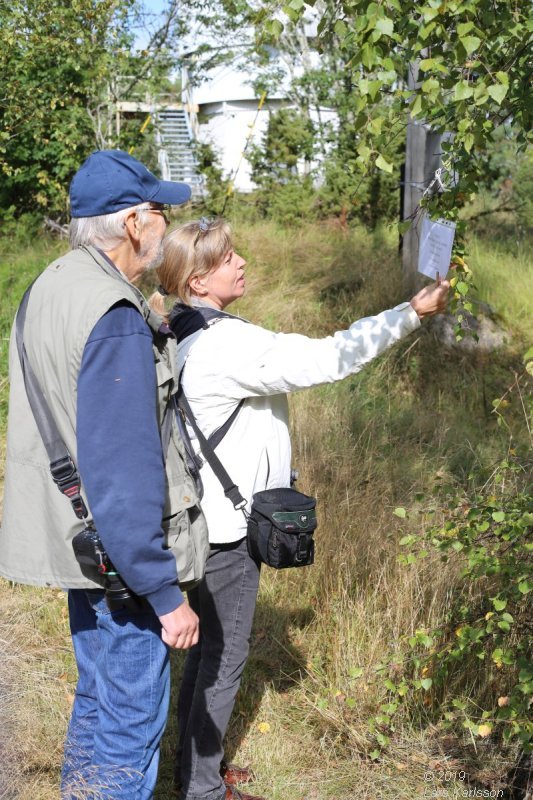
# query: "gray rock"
{"type": "Point", "coordinates": [483, 333]}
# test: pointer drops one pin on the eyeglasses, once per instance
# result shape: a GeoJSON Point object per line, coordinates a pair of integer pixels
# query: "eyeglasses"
{"type": "Point", "coordinates": [164, 210]}
{"type": "Point", "coordinates": [204, 224]}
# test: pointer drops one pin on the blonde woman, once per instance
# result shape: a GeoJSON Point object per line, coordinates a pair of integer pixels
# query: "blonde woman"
{"type": "Point", "coordinates": [226, 363]}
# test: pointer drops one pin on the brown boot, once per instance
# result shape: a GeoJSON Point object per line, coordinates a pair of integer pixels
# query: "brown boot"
{"type": "Point", "coordinates": [234, 794]}
{"type": "Point", "coordinates": [234, 775]}
{"type": "Point", "coordinates": [231, 775]}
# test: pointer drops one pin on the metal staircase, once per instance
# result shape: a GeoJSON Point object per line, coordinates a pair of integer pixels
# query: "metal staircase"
{"type": "Point", "coordinates": [174, 138]}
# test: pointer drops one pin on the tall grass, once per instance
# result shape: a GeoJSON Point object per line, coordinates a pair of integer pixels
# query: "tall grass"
{"type": "Point", "coordinates": [506, 283]}
{"type": "Point", "coordinates": [418, 417]}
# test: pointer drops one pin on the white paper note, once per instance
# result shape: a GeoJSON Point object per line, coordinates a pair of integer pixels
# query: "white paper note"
{"type": "Point", "coordinates": [435, 251]}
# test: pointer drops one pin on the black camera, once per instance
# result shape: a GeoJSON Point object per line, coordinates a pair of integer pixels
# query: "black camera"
{"type": "Point", "coordinates": [96, 565]}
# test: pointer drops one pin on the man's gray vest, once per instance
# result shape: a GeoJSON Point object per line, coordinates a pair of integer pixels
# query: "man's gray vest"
{"type": "Point", "coordinates": [38, 525]}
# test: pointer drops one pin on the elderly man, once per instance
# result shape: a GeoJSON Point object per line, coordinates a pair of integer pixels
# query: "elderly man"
{"type": "Point", "coordinates": [105, 363]}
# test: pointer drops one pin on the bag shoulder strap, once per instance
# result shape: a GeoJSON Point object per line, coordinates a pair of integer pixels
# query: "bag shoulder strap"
{"type": "Point", "coordinates": [185, 320]}
{"type": "Point", "coordinates": [231, 490]}
{"type": "Point", "coordinates": [64, 472]}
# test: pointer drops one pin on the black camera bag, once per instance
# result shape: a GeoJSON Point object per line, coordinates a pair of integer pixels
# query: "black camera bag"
{"type": "Point", "coordinates": [280, 528]}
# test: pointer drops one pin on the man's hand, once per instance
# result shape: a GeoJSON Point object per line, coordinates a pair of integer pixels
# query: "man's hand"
{"type": "Point", "coordinates": [180, 627]}
{"type": "Point", "coordinates": [431, 299]}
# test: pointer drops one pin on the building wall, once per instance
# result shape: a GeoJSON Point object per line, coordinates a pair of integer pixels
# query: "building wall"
{"type": "Point", "coordinates": [228, 126]}
{"type": "Point", "coordinates": [228, 115]}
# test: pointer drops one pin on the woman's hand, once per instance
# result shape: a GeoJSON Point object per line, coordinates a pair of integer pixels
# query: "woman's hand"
{"type": "Point", "coordinates": [431, 299]}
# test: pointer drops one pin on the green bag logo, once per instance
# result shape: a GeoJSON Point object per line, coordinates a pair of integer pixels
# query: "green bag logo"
{"type": "Point", "coordinates": [292, 520]}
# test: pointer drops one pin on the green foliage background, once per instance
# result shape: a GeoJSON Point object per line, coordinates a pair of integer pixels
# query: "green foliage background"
{"type": "Point", "coordinates": [61, 68]}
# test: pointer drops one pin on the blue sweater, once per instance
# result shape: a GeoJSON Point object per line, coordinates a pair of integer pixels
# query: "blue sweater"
{"type": "Point", "coordinates": [120, 457]}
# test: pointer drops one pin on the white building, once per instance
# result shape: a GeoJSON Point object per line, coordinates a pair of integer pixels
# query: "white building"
{"type": "Point", "coordinates": [231, 115]}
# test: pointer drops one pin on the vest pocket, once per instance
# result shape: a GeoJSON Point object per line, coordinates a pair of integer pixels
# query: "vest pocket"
{"type": "Point", "coordinates": [178, 539]}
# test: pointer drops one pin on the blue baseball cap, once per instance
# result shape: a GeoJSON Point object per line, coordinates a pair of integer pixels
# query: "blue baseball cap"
{"type": "Point", "coordinates": [110, 180]}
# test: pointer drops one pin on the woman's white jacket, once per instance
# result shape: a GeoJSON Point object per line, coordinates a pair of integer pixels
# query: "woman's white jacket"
{"type": "Point", "coordinates": [232, 360]}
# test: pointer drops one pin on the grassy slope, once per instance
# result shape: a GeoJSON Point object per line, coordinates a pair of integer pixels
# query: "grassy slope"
{"type": "Point", "coordinates": [363, 447]}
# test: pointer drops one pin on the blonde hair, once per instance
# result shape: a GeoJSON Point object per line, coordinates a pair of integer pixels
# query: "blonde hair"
{"type": "Point", "coordinates": [194, 248]}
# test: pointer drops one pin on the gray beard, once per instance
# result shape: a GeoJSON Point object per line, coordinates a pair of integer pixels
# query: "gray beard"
{"type": "Point", "coordinates": [156, 259]}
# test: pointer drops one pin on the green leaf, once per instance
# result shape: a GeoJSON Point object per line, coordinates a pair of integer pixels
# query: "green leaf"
{"type": "Point", "coordinates": [470, 43]}
{"type": "Point", "coordinates": [481, 94]}
{"type": "Point", "coordinates": [497, 91]}
{"type": "Point", "coordinates": [462, 288]}
{"type": "Point", "coordinates": [368, 56]}
{"type": "Point", "coordinates": [385, 26]}
{"type": "Point", "coordinates": [431, 86]}
{"type": "Point", "coordinates": [400, 512]}
{"type": "Point", "coordinates": [355, 672]}
{"type": "Point", "coordinates": [432, 63]}
{"type": "Point", "coordinates": [498, 516]}
{"type": "Point", "coordinates": [498, 604]}
{"type": "Point", "coordinates": [275, 28]}
{"type": "Point", "coordinates": [458, 546]}
{"type": "Point", "coordinates": [340, 28]}
{"type": "Point", "coordinates": [416, 108]}
{"type": "Point", "coordinates": [387, 76]}
{"type": "Point", "coordinates": [426, 683]}
{"type": "Point", "coordinates": [426, 31]}
{"type": "Point", "coordinates": [373, 88]}
{"type": "Point", "coordinates": [469, 142]}
{"type": "Point", "coordinates": [385, 166]}
{"type": "Point", "coordinates": [430, 13]}
{"type": "Point", "coordinates": [524, 587]}
{"type": "Point", "coordinates": [463, 90]}
{"type": "Point", "coordinates": [463, 28]}
{"type": "Point", "coordinates": [375, 125]}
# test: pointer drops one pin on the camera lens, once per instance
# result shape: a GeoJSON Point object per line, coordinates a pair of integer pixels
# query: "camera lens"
{"type": "Point", "coordinates": [118, 595]}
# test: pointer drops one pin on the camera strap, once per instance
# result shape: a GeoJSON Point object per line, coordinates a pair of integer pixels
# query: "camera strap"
{"type": "Point", "coordinates": [62, 467]}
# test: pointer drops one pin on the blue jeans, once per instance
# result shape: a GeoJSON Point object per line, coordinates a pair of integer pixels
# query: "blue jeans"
{"type": "Point", "coordinates": [121, 703]}
{"type": "Point", "coordinates": [225, 602]}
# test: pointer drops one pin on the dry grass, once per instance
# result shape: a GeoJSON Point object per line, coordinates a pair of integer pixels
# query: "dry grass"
{"type": "Point", "coordinates": [363, 447]}
{"type": "Point", "coordinates": [37, 675]}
